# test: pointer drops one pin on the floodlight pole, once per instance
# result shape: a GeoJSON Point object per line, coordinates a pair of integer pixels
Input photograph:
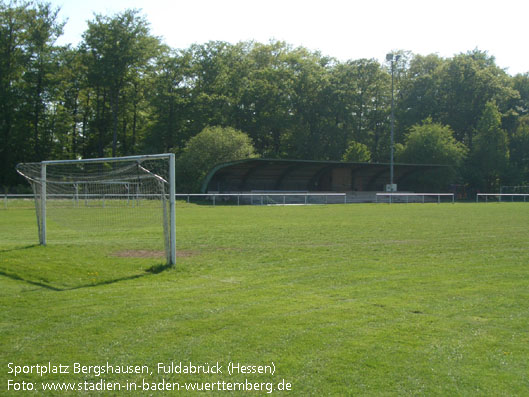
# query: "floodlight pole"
{"type": "Point", "coordinates": [392, 58]}
{"type": "Point", "coordinates": [392, 144]}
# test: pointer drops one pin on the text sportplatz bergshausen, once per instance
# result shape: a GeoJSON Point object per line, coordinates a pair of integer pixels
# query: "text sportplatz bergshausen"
{"type": "Point", "coordinates": [162, 376]}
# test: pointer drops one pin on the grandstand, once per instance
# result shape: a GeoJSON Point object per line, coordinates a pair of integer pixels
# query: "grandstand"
{"type": "Point", "coordinates": [360, 181]}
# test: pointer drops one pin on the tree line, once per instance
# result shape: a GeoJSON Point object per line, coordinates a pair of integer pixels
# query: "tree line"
{"type": "Point", "coordinates": [122, 91]}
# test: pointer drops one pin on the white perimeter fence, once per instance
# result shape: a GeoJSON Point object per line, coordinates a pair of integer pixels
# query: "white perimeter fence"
{"type": "Point", "coordinates": [501, 197]}
{"type": "Point", "coordinates": [415, 197]}
{"type": "Point", "coordinates": [17, 201]}
{"type": "Point", "coordinates": [265, 198]}
{"type": "Point", "coordinates": [27, 200]}
{"type": "Point", "coordinates": [102, 200]}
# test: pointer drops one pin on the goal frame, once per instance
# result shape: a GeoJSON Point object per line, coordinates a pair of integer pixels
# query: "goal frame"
{"type": "Point", "coordinates": [172, 216]}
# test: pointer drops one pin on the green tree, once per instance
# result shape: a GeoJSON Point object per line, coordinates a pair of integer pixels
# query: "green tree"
{"type": "Point", "coordinates": [521, 84]}
{"type": "Point", "coordinates": [169, 96]}
{"type": "Point", "coordinates": [66, 104]}
{"type": "Point", "coordinates": [519, 152]}
{"type": "Point", "coordinates": [13, 58]}
{"type": "Point", "coordinates": [213, 145]}
{"type": "Point", "coordinates": [359, 104]}
{"type": "Point", "coordinates": [120, 48]}
{"type": "Point", "coordinates": [468, 82]}
{"type": "Point", "coordinates": [266, 100]}
{"type": "Point", "coordinates": [217, 75]}
{"type": "Point", "coordinates": [43, 31]}
{"type": "Point", "coordinates": [357, 152]}
{"type": "Point", "coordinates": [419, 91]}
{"type": "Point", "coordinates": [489, 156]}
{"type": "Point", "coordinates": [433, 143]}
{"type": "Point", "coordinates": [311, 134]}
{"type": "Point", "coordinates": [28, 64]}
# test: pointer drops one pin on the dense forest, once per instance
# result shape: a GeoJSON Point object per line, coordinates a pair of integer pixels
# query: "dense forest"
{"type": "Point", "coordinates": [122, 91]}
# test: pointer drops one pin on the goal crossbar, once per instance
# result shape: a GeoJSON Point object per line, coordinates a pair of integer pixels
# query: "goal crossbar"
{"type": "Point", "coordinates": [112, 159]}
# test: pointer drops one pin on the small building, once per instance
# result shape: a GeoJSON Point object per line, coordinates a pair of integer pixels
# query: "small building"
{"type": "Point", "coordinates": [269, 175]}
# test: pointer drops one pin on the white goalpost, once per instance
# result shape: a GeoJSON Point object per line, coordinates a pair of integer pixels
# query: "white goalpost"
{"type": "Point", "coordinates": [114, 193]}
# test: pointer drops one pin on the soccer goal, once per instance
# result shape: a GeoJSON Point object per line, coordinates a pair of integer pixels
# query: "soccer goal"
{"type": "Point", "coordinates": [109, 197]}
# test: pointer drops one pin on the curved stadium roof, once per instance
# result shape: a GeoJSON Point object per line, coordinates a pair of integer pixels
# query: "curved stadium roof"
{"type": "Point", "coordinates": [306, 175]}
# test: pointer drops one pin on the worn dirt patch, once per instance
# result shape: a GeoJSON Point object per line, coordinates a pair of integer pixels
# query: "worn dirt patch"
{"type": "Point", "coordinates": [150, 254]}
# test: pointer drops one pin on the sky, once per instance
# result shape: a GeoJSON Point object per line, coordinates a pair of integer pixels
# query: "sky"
{"type": "Point", "coordinates": [342, 29]}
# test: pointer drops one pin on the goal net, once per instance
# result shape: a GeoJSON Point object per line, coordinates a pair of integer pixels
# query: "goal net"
{"type": "Point", "coordinates": [114, 200]}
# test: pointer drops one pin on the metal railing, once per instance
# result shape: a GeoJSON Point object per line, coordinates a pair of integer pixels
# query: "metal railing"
{"type": "Point", "coordinates": [27, 200]}
{"type": "Point", "coordinates": [267, 198]}
{"type": "Point", "coordinates": [416, 197]}
{"type": "Point", "coordinates": [499, 197]}
{"type": "Point", "coordinates": [16, 200]}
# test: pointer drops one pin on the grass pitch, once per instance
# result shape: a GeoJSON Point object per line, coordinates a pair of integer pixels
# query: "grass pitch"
{"type": "Point", "coordinates": [342, 299]}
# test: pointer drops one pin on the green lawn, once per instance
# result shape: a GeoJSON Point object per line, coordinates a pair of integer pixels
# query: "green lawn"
{"type": "Point", "coordinates": [366, 299]}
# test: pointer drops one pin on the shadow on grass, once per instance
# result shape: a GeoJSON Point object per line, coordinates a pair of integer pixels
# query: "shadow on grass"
{"type": "Point", "coordinates": [25, 247]}
{"type": "Point", "coordinates": [36, 283]}
{"type": "Point", "coordinates": [156, 269]}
